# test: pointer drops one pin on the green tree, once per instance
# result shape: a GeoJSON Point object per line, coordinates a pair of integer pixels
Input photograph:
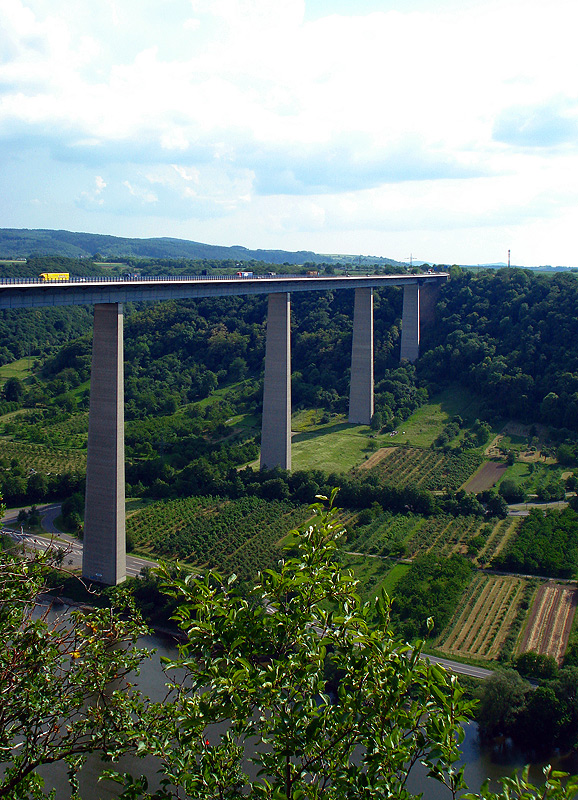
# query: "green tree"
{"type": "Point", "coordinates": [376, 421]}
{"type": "Point", "coordinates": [502, 701]}
{"type": "Point", "coordinates": [326, 700]}
{"type": "Point", "coordinates": [238, 369]}
{"type": "Point", "coordinates": [566, 455]}
{"type": "Point", "coordinates": [536, 665]}
{"type": "Point", "coordinates": [538, 724]}
{"type": "Point", "coordinates": [556, 787]}
{"type": "Point", "coordinates": [496, 505]}
{"type": "Point", "coordinates": [63, 682]}
{"type": "Point", "coordinates": [511, 491]}
{"type": "Point", "coordinates": [14, 389]}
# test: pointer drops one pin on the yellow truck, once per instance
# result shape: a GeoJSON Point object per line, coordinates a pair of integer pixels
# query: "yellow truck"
{"type": "Point", "coordinates": [54, 276]}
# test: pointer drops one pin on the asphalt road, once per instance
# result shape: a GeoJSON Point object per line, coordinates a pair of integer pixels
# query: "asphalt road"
{"type": "Point", "coordinates": [55, 539]}
{"type": "Point", "coordinates": [460, 669]}
{"type": "Point", "coordinates": [523, 509]}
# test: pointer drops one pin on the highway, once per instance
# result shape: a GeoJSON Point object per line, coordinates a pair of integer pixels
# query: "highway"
{"type": "Point", "coordinates": [459, 668]}
{"type": "Point", "coordinates": [33, 293]}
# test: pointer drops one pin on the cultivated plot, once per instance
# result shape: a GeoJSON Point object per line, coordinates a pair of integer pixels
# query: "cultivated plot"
{"type": "Point", "coordinates": [470, 536]}
{"type": "Point", "coordinates": [428, 469]}
{"type": "Point", "coordinates": [486, 477]}
{"type": "Point", "coordinates": [490, 612]}
{"type": "Point", "coordinates": [43, 459]}
{"type": "Point", "coordinates": [229, 535]}
{"type": "Point", "coordinates": [550, 620]}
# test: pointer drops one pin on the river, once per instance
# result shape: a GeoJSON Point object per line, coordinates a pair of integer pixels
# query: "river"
{"type": "Point", "coordinates": [481, 761]}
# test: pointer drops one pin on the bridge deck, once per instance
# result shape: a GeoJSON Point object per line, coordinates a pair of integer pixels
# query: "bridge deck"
{"type": "Point", "coordinates": [33, 293]}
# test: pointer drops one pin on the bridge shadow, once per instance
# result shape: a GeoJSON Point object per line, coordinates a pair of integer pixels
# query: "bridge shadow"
{"type": "Point", "coordinates": [338, 427]}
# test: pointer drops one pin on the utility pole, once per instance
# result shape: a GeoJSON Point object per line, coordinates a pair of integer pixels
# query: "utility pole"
{"type": "Point", "coordinates": [508, 258]}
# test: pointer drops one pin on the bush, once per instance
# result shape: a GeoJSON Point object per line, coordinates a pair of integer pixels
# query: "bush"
{"type": "Point", "coordinates": [511, 492]}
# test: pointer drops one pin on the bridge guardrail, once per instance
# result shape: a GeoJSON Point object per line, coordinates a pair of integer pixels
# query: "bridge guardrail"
{"type": "Point", "coordinates": [131, 278]}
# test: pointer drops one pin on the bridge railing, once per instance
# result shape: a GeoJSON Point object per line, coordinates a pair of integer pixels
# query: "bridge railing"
{"type": "Point", "coordinates": [130, 278]}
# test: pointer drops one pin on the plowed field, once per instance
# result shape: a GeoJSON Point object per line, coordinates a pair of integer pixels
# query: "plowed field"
{"type": "Point", "coordinates": [550, 620]}
{"type": "Point", "coordinates": [486, 477]}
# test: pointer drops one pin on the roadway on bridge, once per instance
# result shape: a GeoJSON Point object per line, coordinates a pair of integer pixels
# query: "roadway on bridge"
{"type": "Point", "coordinates": [33, 293]}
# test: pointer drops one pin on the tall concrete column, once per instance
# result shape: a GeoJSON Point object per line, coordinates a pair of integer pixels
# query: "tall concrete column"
{"type": "Point", "coordinates": [276, 425]}
{"type": "Point", "coordinates": [410, 323]}
{"type": "Point", "coordinates": [361, 385]}
{"type": "Point", "coordinates": [104, 556]}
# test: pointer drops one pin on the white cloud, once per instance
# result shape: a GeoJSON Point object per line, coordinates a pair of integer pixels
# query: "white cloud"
{"type": "Point", "coordinates": [93, 198]}
{"type": "Point", "coordinates": [186, 174]}
{"type": "Point", "coordinates": [459, 115]}
{"type": "Point", "coordinates": [141, 193]}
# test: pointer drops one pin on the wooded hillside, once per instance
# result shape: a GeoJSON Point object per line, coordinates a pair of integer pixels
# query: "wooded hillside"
{"type": "Point", "coordinates": [512, 337]}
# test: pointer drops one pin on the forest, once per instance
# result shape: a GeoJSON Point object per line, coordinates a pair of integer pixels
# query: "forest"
{"type": "Point", "coordinates": [511, 336]}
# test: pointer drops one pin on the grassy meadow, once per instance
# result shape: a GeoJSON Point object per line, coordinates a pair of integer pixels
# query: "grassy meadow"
{"type": "Point", "coordinates": [22, 369]}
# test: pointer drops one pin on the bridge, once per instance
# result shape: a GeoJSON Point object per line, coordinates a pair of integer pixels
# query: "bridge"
{"type": "Point", "coordinates": [104, 557]}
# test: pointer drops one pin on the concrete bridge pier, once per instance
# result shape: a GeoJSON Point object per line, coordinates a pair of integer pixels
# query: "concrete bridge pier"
{"type": "Point", "coordinates": [104, 550]}
{"type": "Point", "coordinates": [410, 323]}
{"type": "Point", "coordinates": [361, 384]}
{"type": "Point", "coordinates": [276, 423]}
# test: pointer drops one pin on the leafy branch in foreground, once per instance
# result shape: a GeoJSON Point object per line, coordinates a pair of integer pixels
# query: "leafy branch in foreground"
{"type": "Point", "coordinates": [257, 665]}
{"type": "Point", "coordinates": [63, 680]}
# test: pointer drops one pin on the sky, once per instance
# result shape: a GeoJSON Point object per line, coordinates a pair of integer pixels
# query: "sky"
{"type": "Point", "coordinates": [437, 130]}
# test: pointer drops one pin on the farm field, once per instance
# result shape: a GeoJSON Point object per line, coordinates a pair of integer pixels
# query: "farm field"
{"type": "Point", "coordinates": [529, 476]}
{"type": "Point", "coordinates": [16, 369]}
{"type": "Point", "coordinates": [490, 612]}
{"type": "Point", "coordinates": [393, 577]}
{"type": "Point", "coordinates": [372, 573]}
{"type": "Point", "coordinates": [229, 535]}
{"type": "Point", "coordinates": [486, 477]}
{"type": "Point", "coordinates": [428, 469]}
{"type": "Point", "coordinates": [412, 535]}
{"type": "Point", "coordinates": [31, 426]}
{"type": "Point", "coordinates": [550, 620]}
{"type": "Point", "coordinates": [383, 536]}
{"type": "Point", "coordinates": [346, 446]}
{"type": "Point", "coordinates": [427, 422]}
{"type": "Point", "coordinates": [462, 535]}
{"type": "Point", "coordinates": [43, 459]}
{"type": "Point", "coordinates": [310, 419]}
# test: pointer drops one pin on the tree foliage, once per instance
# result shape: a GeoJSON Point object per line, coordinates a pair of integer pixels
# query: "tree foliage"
{"type": "Point", "coordinates": [545, 544]}
{"type": "Point", "coordinates": [429, 591]}
{"type": "Point", "coordinates": [63, 680]}
{"type": "Point", "coordinates": [257, 663]}
{"type": "Point", "coordinates": [510, 335]}
{"type": "Point", "coordinates": [323, 698]}
{"type": "Point", "coordinates": [538, 719]}
{"type": "Point", "coordinates": [293, 691]}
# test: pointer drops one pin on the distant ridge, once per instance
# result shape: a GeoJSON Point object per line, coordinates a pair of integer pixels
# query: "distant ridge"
{"type": "Point", "coordinates": [23, 242]}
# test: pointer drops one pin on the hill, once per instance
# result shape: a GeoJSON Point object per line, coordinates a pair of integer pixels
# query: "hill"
{"type": "Point", "coordinates": [19, 243]}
